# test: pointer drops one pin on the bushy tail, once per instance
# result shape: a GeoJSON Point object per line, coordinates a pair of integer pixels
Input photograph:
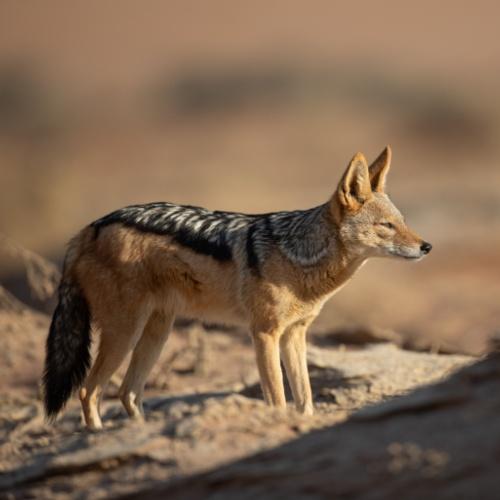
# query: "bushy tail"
{"type": "Point", "coordinates": [68, 347]}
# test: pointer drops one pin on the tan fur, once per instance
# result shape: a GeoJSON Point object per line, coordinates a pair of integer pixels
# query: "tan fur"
{"type": "Point", "coordinates": [136, 284]}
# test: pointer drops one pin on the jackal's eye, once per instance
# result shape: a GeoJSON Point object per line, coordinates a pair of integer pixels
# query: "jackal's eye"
{"type": "Point", "coordinates": [388, 225]}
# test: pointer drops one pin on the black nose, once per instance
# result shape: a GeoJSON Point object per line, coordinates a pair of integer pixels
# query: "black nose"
{"type": "Point", "coordinates": [425, 247]}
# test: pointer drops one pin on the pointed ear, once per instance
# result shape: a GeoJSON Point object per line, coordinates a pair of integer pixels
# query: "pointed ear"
{"type": "Point", "coordinates": [379, 170]}
{"type": "Point", "coordinates": [354, 188]}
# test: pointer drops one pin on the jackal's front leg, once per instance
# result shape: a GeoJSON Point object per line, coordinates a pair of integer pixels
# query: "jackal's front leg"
{"type": "Point", "coordinates": [268, 362]}
{"type": "Point", "coordinates": [294, 353]}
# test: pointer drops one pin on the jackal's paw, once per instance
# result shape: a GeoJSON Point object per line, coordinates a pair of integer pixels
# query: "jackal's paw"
{"type": "Point", "coordinates": [94, 426]}
{"type": "Point", "coordinates": [306, 410]}
{"type": "Point", "coordinates": [133, 405]}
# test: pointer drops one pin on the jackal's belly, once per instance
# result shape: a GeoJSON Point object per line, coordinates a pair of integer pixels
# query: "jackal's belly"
{"type": "Point", "coordinates": [215, 299]}
{"type": "Point", "coordinates": [222, 310]}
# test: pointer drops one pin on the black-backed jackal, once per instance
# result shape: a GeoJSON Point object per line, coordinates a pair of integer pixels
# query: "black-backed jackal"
{"type": "Point", "coordinates": [132, 272]}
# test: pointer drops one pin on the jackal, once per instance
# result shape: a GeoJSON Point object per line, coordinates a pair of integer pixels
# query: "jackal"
{"type": "Point", "coordinates": [130, 273]}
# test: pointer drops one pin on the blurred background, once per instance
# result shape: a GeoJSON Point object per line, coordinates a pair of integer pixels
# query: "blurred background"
{"type": "Point", "coordinates": [258, 106]}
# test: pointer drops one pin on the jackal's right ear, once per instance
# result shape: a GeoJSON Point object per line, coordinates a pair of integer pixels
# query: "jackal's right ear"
{"type": "Point", "coordinates": [355, 188]}
{"type": "Point", "coordinates": [379, 170]}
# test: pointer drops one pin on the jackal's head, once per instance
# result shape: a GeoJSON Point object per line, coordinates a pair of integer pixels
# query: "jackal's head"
{"type": "Point", "coordinates": [369, 223]}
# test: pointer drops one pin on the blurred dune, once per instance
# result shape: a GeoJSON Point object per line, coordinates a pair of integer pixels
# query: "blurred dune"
{"type": "Point", "coordinates": [258, 107]}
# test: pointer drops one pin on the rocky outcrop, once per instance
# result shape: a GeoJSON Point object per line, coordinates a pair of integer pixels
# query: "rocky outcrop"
{"type": "Point", "coordinates": [441, 441]}
{"type": "Point", "coordinates": [204, 430]}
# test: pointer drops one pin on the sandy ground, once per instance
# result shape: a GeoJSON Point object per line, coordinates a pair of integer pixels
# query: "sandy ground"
{"type": "Point", "coordinates": [438, 442]}
{"type": "Point", "coordinates": [203, 411]}
{"type": "Point", "coordinates": [204, 404]}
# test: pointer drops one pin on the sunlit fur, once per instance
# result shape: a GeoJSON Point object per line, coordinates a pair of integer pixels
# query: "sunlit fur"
{"type": "Point", "coordinates": [140, 267]}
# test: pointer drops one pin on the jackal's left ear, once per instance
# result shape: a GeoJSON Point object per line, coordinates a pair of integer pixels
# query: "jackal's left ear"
{"type": "Point", "coordinates": [354, 188]}
{"type": "Point", "coordinates": [379, 170]}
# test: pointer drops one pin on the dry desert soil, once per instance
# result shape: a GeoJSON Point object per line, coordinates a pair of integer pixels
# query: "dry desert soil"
{"type": "Point", "coordinates": [387, 420]}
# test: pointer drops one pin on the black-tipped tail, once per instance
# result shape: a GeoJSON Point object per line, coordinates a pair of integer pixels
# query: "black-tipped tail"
{"type": "Point", "coordinates": [68, 348]}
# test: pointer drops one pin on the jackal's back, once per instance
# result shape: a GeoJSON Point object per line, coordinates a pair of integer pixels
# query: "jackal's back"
{"type": "Point", "coordinates": [300, 235]}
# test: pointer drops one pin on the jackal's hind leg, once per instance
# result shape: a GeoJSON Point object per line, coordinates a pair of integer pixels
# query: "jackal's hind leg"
{"type": "Point", "coordinates": [118, 336]}
{"type": "Point", "coordinates": [145, 355]}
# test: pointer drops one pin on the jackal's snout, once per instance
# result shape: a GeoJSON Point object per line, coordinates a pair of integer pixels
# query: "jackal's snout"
{"type": "Point", "coordinates": [425, 247]}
